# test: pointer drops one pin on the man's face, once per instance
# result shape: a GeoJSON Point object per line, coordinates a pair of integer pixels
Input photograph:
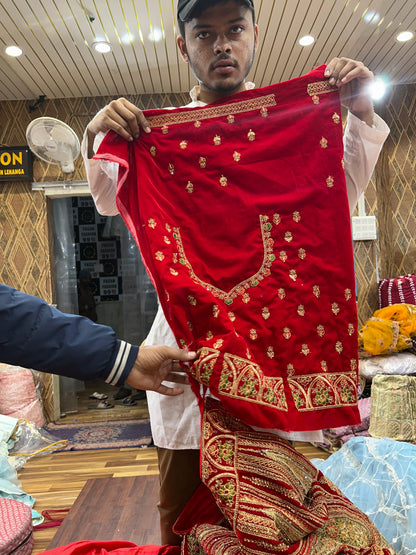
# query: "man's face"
{"type": "Point", "coordinates": [220, 45]}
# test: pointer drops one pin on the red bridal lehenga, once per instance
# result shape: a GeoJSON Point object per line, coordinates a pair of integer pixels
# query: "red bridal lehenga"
{"type": "Point", "coordinates": [241, 215]}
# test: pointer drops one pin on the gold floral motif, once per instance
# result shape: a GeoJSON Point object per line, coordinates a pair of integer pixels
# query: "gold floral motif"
{"type": "Point", "coordinates": [339, 347]}
{"type": "Point", "coordinates": [230, 118]}
{"type": "Point", "coordinates": [153, 151]}
{"type": "Point", "coordinates": [159, 256]}
{"type": "Point", "coordinates": [264, 112]}
{"type": "Point", "coordinates": [305, 350]}
{"type": "Point", "coordinates": [312, 392]}
{"type": "Point", "coordinates": [353, 364]}
{"type": "Point", "coordinates": [252, 281]}
{"type": "Point", "coordinates": [270, 352]}
{"type": "Point", "coordinates": [335, 308]}
{"type": "Point", "coordinates": [293, 275]}
{"type": "Point", "coordinates": [253, 334]}
{"type": "Point", "coordinates": [175, 257]}
{"type": "Point", "coordinates": [152, 223]}
{"type": "Point", "coordinates": [231, 316]}
{"type": "Point", "coordinates": [288, 236]}
{"type": "Point", "coordinates": [165, 129]}
{"type": "Point", "coordinates": [182, 343]}
{"type": "Point", "coordinates": [342, 164]}
{"type": "Point", "coordinates": [290, 369]}
{"type": "Point", "coordinates": [168, 228]}
{"type": "Point", "coordinates": [237, 156]}
{"type": "Point", "coordinates": [166, 240]}
{"type": "Point", "coordinates": [351, 329]}
{"type": "Point", "coordinates": [324, 365]}
{"type": "Point", "coordinates": [192, 300]}
{"type": "Point", "coordinates": [190, 326]}
{"type": "Point", "coordinates": [296, 217]}
{"type": "Point", "coordinates": [173, 272]}
{"type": "Point", "coordinates": [348, 294]}
{"type": "Point", "coordinates": [210, 335]}
{"type": "Point", "coordinates": [217, 140]}
{"type": "Point", "coordinates": [171, 169]}
{"type": "Point", "coordinates": [251, 135]}
{"type": "Point", "coordinates": [281, 293]}
{"type": "Point", "coordinates": [215, 311]}
{"type": "Point", "coordinates": [265, 313]}
{"type": "Point", "coordinates": [283, 256]}
{"type": "Point", "coordinates": [223, 181]}
{"type": "Point", "coordinates": [330, 182]}
{"type": "Point", "coordinates": [218, 344]}
{"type": "Point", "coordinates": [203, 162]}
{"type": "Point", "coordinates": [226, 491]}
{"type": "Point", "coordinates": [320, 330]}
{"type": "Point", "coordinates": [324, 142]}
{"type": "Point", "coordinates": [301, 310]}
{"type": "Point", "coordinates": [287, 334]}
{"type": "Point", "coordinates": [302, 254]}
{"type": "Point", "coordinates": [197, 124]}
{"type": "Point", "coordinates": [276, 219]}
{"type": "Point", "coordinates": [316, 291]}
{"type": "Point", "coordinates": [183, 145]}
{"type": "Point", "coordinates": [190, 187]}
{"type": "Point", "coordinates": [315, 99]}
{"type": "Point", "coordinates": [336, 118]}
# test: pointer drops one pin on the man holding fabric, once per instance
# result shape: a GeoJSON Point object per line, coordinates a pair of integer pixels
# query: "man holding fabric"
{"type": "Point", "coordinates": [219, 40]}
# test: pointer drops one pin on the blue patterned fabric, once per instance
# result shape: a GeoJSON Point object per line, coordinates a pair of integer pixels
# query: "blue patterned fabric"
{"type": "Point", "coordinates": [379, 477]}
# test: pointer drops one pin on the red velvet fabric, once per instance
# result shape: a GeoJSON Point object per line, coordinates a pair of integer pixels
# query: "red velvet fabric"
{"type": "Point", "coordinates": [112, 548]}
{"type": "Point", "coordinates": [241, 214]}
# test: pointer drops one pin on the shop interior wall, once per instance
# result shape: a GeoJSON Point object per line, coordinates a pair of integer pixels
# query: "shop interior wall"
{"type": "Point", "coordinates": [25, 237]}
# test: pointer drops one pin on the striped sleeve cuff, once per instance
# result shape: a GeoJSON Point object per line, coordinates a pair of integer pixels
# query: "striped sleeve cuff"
{"type": "Point", "coordinates": [123, 364]}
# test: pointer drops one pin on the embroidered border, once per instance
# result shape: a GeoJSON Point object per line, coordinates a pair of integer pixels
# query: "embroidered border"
{"type": "Point", "coordinates": [320, 87]}
{"type": "Point", "coordinates": [317, 391]}
{"type": "Point", "coordinates": [252, 281]}
{"type": "Point", "coordinates": [213, 112]}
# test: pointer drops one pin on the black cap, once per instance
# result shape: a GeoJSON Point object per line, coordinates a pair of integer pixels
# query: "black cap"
{"type": "Point", "coordinates": [185, 7]}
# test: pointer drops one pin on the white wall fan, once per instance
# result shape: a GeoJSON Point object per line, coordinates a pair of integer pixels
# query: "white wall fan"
{"type": "Point", "coordinates": [53, 141]}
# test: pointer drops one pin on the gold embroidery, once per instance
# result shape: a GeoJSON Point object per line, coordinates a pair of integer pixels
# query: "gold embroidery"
{"type": "Point", "coordinates": [281, 293]}
{"type": "Point", "coordinates": [253, 334]}
{"type": "Point", "coordinates": [152, 223]}
{"type": "Point", "coordinates": [287, 334]}
{"type": "Point", "coordinates": [270, 352]}
{"type": "Point", "coordinates": [231, 316]}
{"type": "Point", "coordinates": [239, 289]}
{"type": "Point", "coordinates": [153, 151]}
{"type": "Point", "coordinates": [183, 343]}
{"type": "Point", "coordinates": [175, 257]}
{"type": "Point", "coordinates": [203, 162]}
{"type": "Point", "coordinates": [173, 272]}
{"type": "Point", "coordinates": [223, 181]}
{"type": "Point", "coordinates": [293, 275]}
{"type": "Point", "coordinates": [218, 344]}
{"type": "Point", "coordinates": [302, 254]}
{"type": "Point", "coordinates": [296, 217]}
{"type": "Point", "coordinates": [324, 365]}
{"type": "Point", "coordinates": [166, 240]}
{"type": "Point", "coordinates": [320, 87]}
{"type": "Point", "coordinates": [324, 142]}
{"type": "Point", "coordinates": [315, 99]}
{"type": "Point", "coordinates": [342, 164]}
{"type": "Point", "coordinates": [231, 119]}
{"type": "Point", "coordinates": [301, 310]}
{"type": "Point", "coordinates": [168, 228]}
{"type": "Point", "coordinates": [330, 182]}
{"type": "Point", "coordinates": [210, 335]}
{"type": "Point", "coordinates": [171, 169]}
{"type": "Point", "coordinates": [277, 219]}
{"type": "Point", "coordinates": [335, 308]}
{"type": "Point", "coordinates": [159, 256]}
{"type": "Point", "coordinates": [353, 364]}
{"type": "Point", "coordinates": [336, 119]}
{"type": "Point", "coordinates": [316, 291]}
{"type": "Point", "coordinates": [190, 187]}
{"type": "Point", "coordinates": [348, 294]}
{"type": "Point", "coordinates": [338, 347]}
{"type": "Point", "coordinates": [217, 140]}
{"type": "Point", "coordinates": [215, 311]}
{"type": "Point", "coordinates": [351, 329]}
{"type": "Point", "coordinates": [183, 145]}
{"type": "Point", "coordinates": [251, 135]}
{"type": "Point", "coordinates": [190, 326]}
{"type": "Point", "coordinates": [265, 313]}
{"type": "Point", "coordinates": [290, 370]}
{"type": "Point", "coordinates": [312, 391]}
{"type": "Point", "coordinates": [288, 236]}
{"type": "Point", "coordinates": [192, 300]}
{"type": "Point", "coordinates": [264, 112]}
{"type": "Point", "coordinates": [213, 112]}
{"type": "Point", "coordinates": [305, 350]}
{"type": "Point", "coordinates": [237, 156]}
{"type": "Point", "coordinates": [321, 330]}
{"type": "Point", "coordinates": [283, 256]}
{"type": "Point", "coordinates": [165, 129]}
{"type": "Point", "coordinates": [197, 124]}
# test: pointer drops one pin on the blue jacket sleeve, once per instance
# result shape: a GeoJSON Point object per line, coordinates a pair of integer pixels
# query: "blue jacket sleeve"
{"type": "Point", "coordinates": [36, 335]}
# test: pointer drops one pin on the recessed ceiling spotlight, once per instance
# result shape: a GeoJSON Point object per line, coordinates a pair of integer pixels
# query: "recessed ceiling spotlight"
{"type": "Point", "coordinates": [372, 17]}
{"type": "Point", "coordinates": [127, 38]}
{"type": "Point", "coordinates": [404, 36]}
{"type": "Point", "coordinates": [156, 35]}
{"type": "Point", "coordinates": [307, 40]}
{"type": "Point", "coordinates": [102, 46]}
{"type": "Point", "coordinates": [14, 51]}
{"type": "Point", "coordinates": [378, 88]}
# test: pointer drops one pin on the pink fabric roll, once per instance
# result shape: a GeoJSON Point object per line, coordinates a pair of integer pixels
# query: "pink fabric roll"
{"type": "Point", "coordinates": [18, 397]}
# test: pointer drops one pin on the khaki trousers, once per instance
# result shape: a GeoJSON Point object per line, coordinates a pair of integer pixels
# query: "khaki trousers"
{"type": "Point", "coordinates": [179, 478]}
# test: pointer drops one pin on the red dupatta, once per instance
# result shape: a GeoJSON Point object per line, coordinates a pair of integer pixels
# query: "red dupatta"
{"type": "Point", "coordinates": [241, 215]}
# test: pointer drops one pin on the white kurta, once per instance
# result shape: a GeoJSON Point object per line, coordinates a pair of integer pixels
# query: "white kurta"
{"type": "Point", "coordinates": [175, 421]}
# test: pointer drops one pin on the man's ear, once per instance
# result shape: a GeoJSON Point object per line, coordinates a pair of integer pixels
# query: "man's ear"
{"type": "Point", "coordinates": [180, 41]}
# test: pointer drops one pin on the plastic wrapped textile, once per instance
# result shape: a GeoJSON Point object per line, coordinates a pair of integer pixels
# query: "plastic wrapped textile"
{"type": "Point", "coordinates": [18, 395]}
{"type": "Point", "coordinates": [379, 477]}
{"type": "Point", "coordinates": [403, 363]}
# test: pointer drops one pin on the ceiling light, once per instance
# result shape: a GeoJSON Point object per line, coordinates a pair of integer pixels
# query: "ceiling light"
{"type": "Point", "coordinates": [372, 17]}
{"type": "Point", "coordinates": [378, 88]}
{"type": "Point", "coordinates": [102, 46]}
{"type": "Point", "coordinates": [127, 38]}
{"type": "Point", "coordinates": [14, 51]}
{"type": "Point", "coordinates": [156, 35]}
{"type": "Point", "coordinates": [307, 40]}
{"type": "Point", "coordinates": [404, 36]}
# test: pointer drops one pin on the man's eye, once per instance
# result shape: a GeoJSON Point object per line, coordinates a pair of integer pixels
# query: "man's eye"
{"type": "Point", "coordinates": [202, 35]}
{"type": "Point", "coordinates": [237, 29]}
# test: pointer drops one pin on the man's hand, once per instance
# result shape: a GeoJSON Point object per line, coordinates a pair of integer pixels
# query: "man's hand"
{"type": "Point", "coordinates": [120, 116]}
{"type": "Point", "coordinates": [353, 80]}
{"type": "Point", "coordinates": [155, 364]}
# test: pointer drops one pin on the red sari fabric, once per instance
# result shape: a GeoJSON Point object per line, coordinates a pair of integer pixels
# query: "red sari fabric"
{"type": "Point", "coordinates": [112, 548]}
{"type": "Point", "coordinates": [241, 215]}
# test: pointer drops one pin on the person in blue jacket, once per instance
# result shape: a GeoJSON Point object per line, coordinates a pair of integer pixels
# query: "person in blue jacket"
{"type": "Point", "coordinates": [35, 335]}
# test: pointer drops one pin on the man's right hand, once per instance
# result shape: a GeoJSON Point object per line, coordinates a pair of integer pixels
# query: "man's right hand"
{"type": "Point", "coordinates": [120, 116]}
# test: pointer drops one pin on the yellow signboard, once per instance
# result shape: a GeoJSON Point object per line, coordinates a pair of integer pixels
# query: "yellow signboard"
{"type": "Point", "coordinates": [15, 163]}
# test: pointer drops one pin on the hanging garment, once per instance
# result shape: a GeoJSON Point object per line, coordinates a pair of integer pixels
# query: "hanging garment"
{"type": "Point", "coordinates": [241, 215]}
